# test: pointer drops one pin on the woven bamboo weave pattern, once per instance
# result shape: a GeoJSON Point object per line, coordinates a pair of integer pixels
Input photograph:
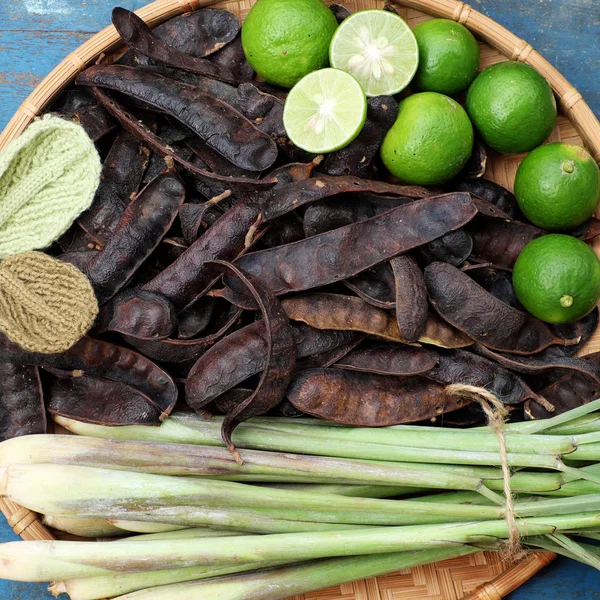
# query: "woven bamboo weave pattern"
{"type": "Point", "coordinates": [477, 577]}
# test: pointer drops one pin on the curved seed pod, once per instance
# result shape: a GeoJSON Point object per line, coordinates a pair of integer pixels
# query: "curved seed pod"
{"type": "Point", "coordinates": [95, 120]}
{"type": "Point", "coordinates": [454, 248]}
{"type": "Point", "coordinates": [587, 231]}
{"type": "Point", "coordinates": [389, 359]}
{"type": "Point", "coordinates": [195, 319]}
{"type": "Point", "coordinates": [78, 259]}
{"type": "Point", "coordinates": [570, 391]}
{"type": "Point", "coordinates": [286, 230]}
{"type": "Point", "coordinates": [312, 342]}
{"type": "Point", "coordinates": [121, 176]}
{"type": "Point", "coordinates": [287, 409]}
{"type": "Point", "coordinates": [543, 361]}
{"type": "Point", "coordinates": [134, 126]}
{"type": "Point", "coordinates": [460, 366]}
{"type": "Point", "coordinates": [143, 225]}
{"type": "Point", "coordinates": [498, 282]}
{"type": "Point", "coordinates": [285, 199]}
{"type": "Point", "coordinates": [21, 401]}
{"type": "Point", "coordinates": [468, 307]}
{"type": "Point", "coordinates": [349, 313]}
{"type": "Point", "coordinates": [477, 163]}
{"type": "Point", "coordinates": [582, 330]}
{"type": "Point", "coordinates": [190, 276]}
{"type": "Point", "coordinates": [181, 351]}
{"type": "Point", "coordinates": [231, 399]}
{"type": "Point", "coordinates": [492, 192]}
{"type": "Point", "coordinates": [103, 401]}
{"type": "Point", "coordinates": [138, 313]}
{"type": "Point", "coordinates": [499, 241]}
{"type": "Point", "coordinates": [102, 359]}
{"type": "Point", "coordinates": [232, 58]}
{"type": "Point", "coordinates": [140, 38]}
{"type": "Point", "coordinates": [411, 297]}
{"type": "Point", "coordinates": [340, 12]}
{"type": "Point", "coordinates": [330, 357]}
{"type": "Point", "coordinates": [376, 286]}
{"type": "Point", "coordinates": [345, 209]}
{"type": "Point", "coordinates": [221, 126]}
{"type": "Point", "coordinates": [357, 157]}
{"type": "Point", "coordinates": [192, 219]}
{"type": "Point", "coordinates": [344, 252]}
{"type": "Point", "coordinates": [366, 399]}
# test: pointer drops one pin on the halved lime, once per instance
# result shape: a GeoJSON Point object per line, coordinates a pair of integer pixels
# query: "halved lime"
{"type": "Point", "coordinates": [378, 48]}
{"type": "Point", "coordinates": [324, 111]}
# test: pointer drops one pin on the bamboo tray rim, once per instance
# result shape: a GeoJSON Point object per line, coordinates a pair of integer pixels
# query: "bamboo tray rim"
{"type": "Point", "coordinates": [27, 523]}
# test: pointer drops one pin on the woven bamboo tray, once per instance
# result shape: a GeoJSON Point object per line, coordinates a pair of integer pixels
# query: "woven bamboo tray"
{"type": "Point", "coordinates": [481, 576]}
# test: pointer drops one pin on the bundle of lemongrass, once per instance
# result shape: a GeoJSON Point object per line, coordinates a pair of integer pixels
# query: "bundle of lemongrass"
{"type": "Point", "coordinates": [306, 510]}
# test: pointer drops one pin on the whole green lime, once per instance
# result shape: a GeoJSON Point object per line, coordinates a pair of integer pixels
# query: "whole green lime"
{"type": "Point", "coordinates": [557, 278]}
{"type": "Point", "coordinates": [284, 40]}
{"type": "Point", "coordinates": [431, 140]}
{"type": "Point", "coordinates": [558, 186]}
{"type": "Point", "coordinates": [448, 57]}
{"type": "Point", "coordinates": [512, 106]}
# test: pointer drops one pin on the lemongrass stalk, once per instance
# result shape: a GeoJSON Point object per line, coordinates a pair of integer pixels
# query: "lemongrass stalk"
{"type": "Point", "coordinates": [182, 534]}
{"type": "Point", "coordinates": [586, 452]}
{"type": "Point", "coordinates": [87, 528]}
{"type": "Point", "coordinates": [188, 459]}
{"type": "Point", "coordinates": [584, 424]}
{"type": "Point", "coordinates": [298, 580]}
{"type": "Point", "coordinates": [108, 586]}
{"type": "Point", "coordinates": [578, 550]}
{"type": "Point", "coordinates": [357, 491]}
{"type": "Point", "coordinates": [145, 527]}
{"type": "Point", "coordinates": [56, 560]}
{"type": "Point", "coordinates": [347, 442]}
{"type": "Point", "coordinates": [104, 491]}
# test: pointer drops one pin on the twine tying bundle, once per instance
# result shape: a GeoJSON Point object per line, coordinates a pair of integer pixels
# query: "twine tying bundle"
{"type": "Point", "coordinates": [45, 305]}
{"type": "Point", "coordinates": [48, 176]}
{"type": "Point", "coordinates": [496, 414]}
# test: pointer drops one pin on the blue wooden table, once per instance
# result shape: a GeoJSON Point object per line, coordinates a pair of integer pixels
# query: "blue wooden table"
{"type": "Point", "coordinates": [36, 34]}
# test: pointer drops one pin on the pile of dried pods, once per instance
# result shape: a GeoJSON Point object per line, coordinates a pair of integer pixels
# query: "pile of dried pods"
{"type": "Point", "coordinates": [240, 275]}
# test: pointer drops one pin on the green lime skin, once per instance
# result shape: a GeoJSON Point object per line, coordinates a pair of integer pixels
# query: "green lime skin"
{"type": "Point", "coordinates": [558, 186]}
{"type": "Point", "coordinates": [448, 57]}
{"type": "Point", "coordinates": [430, 142]}
{"type": "Point", "coordinates": [512, 106]}
{"type": "Point", "coordinates": [557, 278]}
{"type": "Point", "coordinates": [284, 40]}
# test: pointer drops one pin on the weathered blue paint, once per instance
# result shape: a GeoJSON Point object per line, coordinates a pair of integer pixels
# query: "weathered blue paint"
{"type": "Point", "coordinates": [36, 34]}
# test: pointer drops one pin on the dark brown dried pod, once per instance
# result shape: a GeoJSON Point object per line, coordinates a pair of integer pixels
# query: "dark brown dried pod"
{"type": "Point", "coordinates": [280, 359]}
{"type": "Point", "coordinates": [78, 259]}
{"type": "Point", "coordinates": [178, 350]}
{"type": "Point", "coordinates": [582, 330]}
{"type": "Point", "coordinates": [285, 230]}
{"type": "Point", "coordinates": [221, 126]}
{"type": "Point", "coordinates": [357, 157]}
{"type": "Point", "coordinates": [139, 313]}
{"type": "Point", "coordinates": [330, 357]}
{"type": "Point", "coordinates": [121, 176]}
{"type": "Point", "coordinates": [570, 391]}
{"type": "Point", "coordinates": [192, 219]}
{"type": "Point", "coordinates": [232, 58]}
{"type": "Point", "coordinates": [311, 341]}
{"type": "Point", "coordinates": [95, 120]}
{"type": "Point", "coordinates": [466, 368]}
{"type": "Point", "coordinates": [134, 126]}
{"type": "Point", "coordinates": [547, 360]}
{"type": "Point", "coordinates": [102, 359]}
{"type": "Point", "coordinates": [468, 307]}
{"type": "Point", "coordinates": [142, 40]}
{"type": "Point", "coordinates": [22, 409]}
{"type": "Point", "coordinates": [368, 400]}
{"type": "Point", "coordinates": [499, 241]}
{"type": "Point", "coordinates": [377, 286]}
{"type": "Point", "coordinates": [389, 359]}
{"type": "Point", "coordinates": [195, 319]}
{"type": "Point", "coordinates": [231, 399]}
{"type": "Point", "coordinates": [345, 209]}
{"type": "Point", "coordinates": [498, 282]}
{"type": "Point", "coordinates": [349, 313]}
{"type": "Point", "coordinates": [492, 192]}
{"type": "Point", "coordinates": [340, 12]}
{"type": "Point", "coordinates": [283, 200]}
{"type": "Point", "coordinates": [344, 252]}
{"type": "Point", "coordinates": [103, 401]}
{"type": "Point", "coordinates": [477, 163]}
{"type": "Point", "coordinates": [143, 225]}
{"type": "Point", "coordinates": [587, 231]}
{"type": "Point", "coordinates": [411, 297]}
{"type": "Point", "coordinates": [454, 248]}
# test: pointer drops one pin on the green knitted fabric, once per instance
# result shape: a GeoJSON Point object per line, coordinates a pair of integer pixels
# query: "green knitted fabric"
{"type": "Point", "coordinates": [48, 176]}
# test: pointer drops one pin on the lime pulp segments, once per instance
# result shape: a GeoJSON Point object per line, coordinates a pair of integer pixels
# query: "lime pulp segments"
{"type": "Point", "coordinates": [324, 111]}
{"type": "Point", "coordinates": [378, 48]}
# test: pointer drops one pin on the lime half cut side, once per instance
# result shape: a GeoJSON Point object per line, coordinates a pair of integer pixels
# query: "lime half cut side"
{"type": "Point", "coordinates": [324, 111]}
{"type": "Point", "coordinates": [378, 48]}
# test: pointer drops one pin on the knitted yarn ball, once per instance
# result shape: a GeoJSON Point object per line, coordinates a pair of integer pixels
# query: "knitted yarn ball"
{"type": "Point", "coordinates": [46, 305]}
{"type": "Point", "coordinates": [48, 176]}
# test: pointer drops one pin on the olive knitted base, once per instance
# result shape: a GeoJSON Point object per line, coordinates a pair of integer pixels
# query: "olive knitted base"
{"type": "Point", "coordinates": [48, 176]}
{"type": "Point", "coordinates": [45, 305]}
